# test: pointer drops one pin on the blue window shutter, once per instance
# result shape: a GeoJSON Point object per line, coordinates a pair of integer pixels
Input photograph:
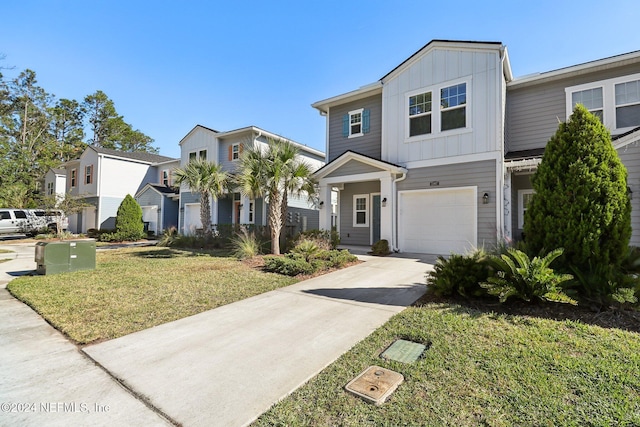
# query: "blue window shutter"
{"type": "Point", "coordinates": [365, 121]}
{"type": "Point", "coordinates": [345, 125]}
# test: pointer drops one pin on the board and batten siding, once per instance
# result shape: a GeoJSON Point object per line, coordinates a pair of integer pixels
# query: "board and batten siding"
{"type": "Point", "coordinates": [199, 139]}
{"type": "Point", "coordinates": [630, 156]}
{"type": "Point", "coordinates": [350, 235]}
{"type": "Point", "coordinates": [368, 144]}
{"type": "Point", "coordinates": [481, 174]}
{"type": "Point", "coordinates": [480, 69]}
{"type": "Point", "coordinates": [534, 110]}
{"type": "Point", "coordinates": [150, 197]}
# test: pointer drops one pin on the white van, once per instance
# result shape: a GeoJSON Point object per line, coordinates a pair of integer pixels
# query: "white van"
{"type": "Point", "coordinates": [53, 219]}
{"type": "Point", "coordinates": [16, 221]}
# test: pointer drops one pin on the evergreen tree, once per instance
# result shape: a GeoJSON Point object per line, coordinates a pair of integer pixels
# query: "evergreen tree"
{"type": "Point", "coordinates": [580, 201]}
{"type": "Point", "coordinates": [129, 225]}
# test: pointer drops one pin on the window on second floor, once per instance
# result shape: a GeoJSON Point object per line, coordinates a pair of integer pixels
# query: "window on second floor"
{"type": "Point", "coordinates": [235, 151]}
{"type": "Point", "coordinates": [202, 154]}
{"type": "Point", "coordinates": [453, 114]}
{"type": "Point", "coordinates": [166, 177]}
{"type": "Point", "coordinates": [74, 173]}
{"type": "Point", "coordinates": [616, 101]}
{"type": "Point", "coordinates": [88, 174]}
{"type": "Point", "coordinates": [356, 123]}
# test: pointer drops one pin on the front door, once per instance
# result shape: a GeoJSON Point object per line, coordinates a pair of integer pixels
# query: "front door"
{"type": "Point", "coordinates": [375, 218]}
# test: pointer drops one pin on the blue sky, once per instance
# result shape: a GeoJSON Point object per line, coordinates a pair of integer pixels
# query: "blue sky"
{"type": "Point", "coordinates": [169, 65]}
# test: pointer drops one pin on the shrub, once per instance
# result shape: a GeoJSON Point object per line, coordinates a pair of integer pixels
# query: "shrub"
{"type": "Point", "coordinates": [335, 258]}
{"type": "Point", "coordinates": [604, 285]}
{"type": "Point", "coordinates": [381, 247]}
{"type": "Point", "coordinates": [459, 273]}
{"type": "Point", "coordinates": [580, 201]}
{"type": "Point", "coordinates": [129, 225]}
{"type": "Point", "coordinates": [325, 239]}
{"type": "Point", "coordinates": [168, 237]}
{"type": "Point", "coordinates": [289, 265]}
{"type": "Point", "coordinates": [245, 245]}
{"type": "Point", "coordinates": [517, 275]}
{"type": "Point", "coordinates": [307, 248]}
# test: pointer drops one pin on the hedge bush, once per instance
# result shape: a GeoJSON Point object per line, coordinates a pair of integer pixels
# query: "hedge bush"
{"type": "Point", "coordinates": [129, 225]}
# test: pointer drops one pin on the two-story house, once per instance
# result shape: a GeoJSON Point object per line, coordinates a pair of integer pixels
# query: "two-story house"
{"type": "Point", "coordinates": [416, 157]}
{"type": "Point", "coordinates": [225, 148]}
{"type": "Point", "coordinates": [437, 156]}
{"type": "Point", "coordinates": [609, 88]}
{"type": "Point", "coordinates": [102, 178]}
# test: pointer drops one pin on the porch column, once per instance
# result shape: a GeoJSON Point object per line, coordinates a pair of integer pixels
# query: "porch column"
{"type": "Point", "coordinates": [325, 206]}
{"type": "Point", "coordinates": [386, 209]}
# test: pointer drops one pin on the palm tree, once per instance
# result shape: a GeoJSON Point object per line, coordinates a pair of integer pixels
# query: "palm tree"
{"type": "Point", "coordinates": [207, 179]}
{"type": "Point", "coordinates": [274, 173]}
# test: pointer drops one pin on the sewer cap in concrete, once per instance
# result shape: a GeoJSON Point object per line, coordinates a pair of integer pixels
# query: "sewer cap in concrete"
{"type": "Point", "coordinates": [375, 384]}
{"type": "Point", "coordinates": [404, 351]}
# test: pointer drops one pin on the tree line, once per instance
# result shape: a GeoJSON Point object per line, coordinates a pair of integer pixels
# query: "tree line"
{"type": "Point", "coordinates": [39, 131]}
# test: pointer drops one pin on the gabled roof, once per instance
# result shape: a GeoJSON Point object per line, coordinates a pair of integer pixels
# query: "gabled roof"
{"type": "Point", "coordinates": [139, 156]}
{"type": "Point", "coordinates": [376, 87]}
{"type": "Point", "coordinates": [194, 129]}
{"type": "Point", "coordinates": [162, 189]}
{"type": "Point", "coordinates": [59, 171]}
{"type": "Point", "coordinates": [524, 154]}
{"type": "Point", "coordinates": [348, 156]}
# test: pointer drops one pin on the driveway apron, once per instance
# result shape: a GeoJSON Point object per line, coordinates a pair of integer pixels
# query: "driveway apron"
{"type": "Point", "coordinates": [226, 366]}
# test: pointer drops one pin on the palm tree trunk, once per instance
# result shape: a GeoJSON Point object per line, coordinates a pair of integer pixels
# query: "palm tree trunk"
{"type": "Point", "coordinates": [275, 221]}
{"type": "Point", "coordinates": [205, 214]}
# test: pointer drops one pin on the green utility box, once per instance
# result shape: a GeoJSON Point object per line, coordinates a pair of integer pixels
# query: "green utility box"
{"type": "Point", "coordinates": [65, 256]}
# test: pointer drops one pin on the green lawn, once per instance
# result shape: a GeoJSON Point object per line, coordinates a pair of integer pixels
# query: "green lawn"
{"type": "Point", "coordinates": [137, 288]}
{"type": "Point", "coordinates": [482, 369]}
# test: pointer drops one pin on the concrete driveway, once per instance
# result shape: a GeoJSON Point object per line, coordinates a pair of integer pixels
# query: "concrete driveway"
{"type": "Point", "coordinates": [223, 367]}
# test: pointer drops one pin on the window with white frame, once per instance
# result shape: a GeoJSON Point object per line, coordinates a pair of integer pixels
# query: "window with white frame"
{"type": "Point", "coordinates": [615, 101]}
{"type": "Point", "coordinates": [453, 115]}
{"type": "Point", "coordinates": [49, 188]}
{"type": "Point", "coordinates": [355, 123]}
{"type": "Point", "coordinates": [524, 198]}
{"type": "Point", "coordinates": [74, 173]}
{"type": "Point", "coordinates": [235, 151]}
{"type": "Point", "coordinates": [361, 210]}
{"type": "Point", "coordinates": [453, 107]}
{"type": "Point", "coordinates": [592, 100]}
{"type": "Point", "coordinates": [420, 114]}
{"type": "Point", "coordinates": [628, 104]}
{"type": "Point", "coordinates": [165, 177]}
{"type": "Point", "coordinates": [201, 154]}
{"type": "Point", "coordinates": [88, 174]}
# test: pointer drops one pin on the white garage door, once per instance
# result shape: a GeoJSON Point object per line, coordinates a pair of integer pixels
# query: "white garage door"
{"type": "Point", "coordinates": [438, 221]}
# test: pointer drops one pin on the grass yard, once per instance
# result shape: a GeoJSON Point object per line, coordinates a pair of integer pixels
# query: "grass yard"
{"type": "Point", "coordinates": [482, 369]}
{"type": "Point", "coordinates": [137, 288]}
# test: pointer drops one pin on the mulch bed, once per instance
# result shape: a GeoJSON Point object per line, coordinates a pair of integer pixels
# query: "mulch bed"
{"type": "Point", "coordinates": [606, 317]}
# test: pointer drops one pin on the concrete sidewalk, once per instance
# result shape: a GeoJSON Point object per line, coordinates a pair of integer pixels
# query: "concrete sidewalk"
{"type": "Point", "coordinates": [227, 366]}
{"type": "Point", "coordinates": [44, 379]}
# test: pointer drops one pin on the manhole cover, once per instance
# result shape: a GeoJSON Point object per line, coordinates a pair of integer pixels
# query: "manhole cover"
{"type": "Point", "coordinates": [404, 351]}
{"type": "Point", "coordinates": [375, 384]}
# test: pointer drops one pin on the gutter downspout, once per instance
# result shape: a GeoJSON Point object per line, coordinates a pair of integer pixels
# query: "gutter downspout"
{"type": "Point", "coordinates": [99, 191]}
{"type": "Point", "coordinates": [394, 213]}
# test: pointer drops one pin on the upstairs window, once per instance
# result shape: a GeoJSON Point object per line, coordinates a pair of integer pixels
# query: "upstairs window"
{"type": "Point", "coordinates": [74, 172]}
{"type": "Point", "coordinates": [591, 99]}
{"type": "Point", "coordinates": [420, 114]}
{"type": "Point", "coordinates": [628, 104]}
{"type": "Point", "coordinates": [88, 174]}
{"type": "Point", "coordinates": [453, 101]}
{"type": "Point", "coordinates": [166, 177]}
{"type": "Point", "coordinates": [235, 151]}
{"type": "Point", "coordinates": [356, 123]}
{"type": "Point", "coordinates": [202, 154]}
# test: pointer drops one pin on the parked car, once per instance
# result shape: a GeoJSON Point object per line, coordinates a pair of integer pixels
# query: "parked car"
{"type": "Point", "coordinates": [17, 221]}
{"type": "Point", "coordinates": [53, 219]}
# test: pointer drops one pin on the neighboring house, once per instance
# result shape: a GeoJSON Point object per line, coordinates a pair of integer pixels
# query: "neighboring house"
{"type": "Point", "coordinates": [103, 177]}
{"type": "Point", "coordinates": [436, 156]}
{"type": "Point", "coordinates": [225, 148]}
{"type": "Point", "coordinates": [55, 181]}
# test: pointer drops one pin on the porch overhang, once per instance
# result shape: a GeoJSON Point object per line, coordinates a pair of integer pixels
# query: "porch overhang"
{"type": "Point", "coordinates": [375, 167]}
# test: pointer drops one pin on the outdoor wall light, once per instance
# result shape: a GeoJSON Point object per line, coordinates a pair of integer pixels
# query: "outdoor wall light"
{"type": "Point", "coordinates": [485, 198]}
{"type": "Point", "coordinates": [321, 204]}
{"type": "Point", "coordinates": [384, 202]}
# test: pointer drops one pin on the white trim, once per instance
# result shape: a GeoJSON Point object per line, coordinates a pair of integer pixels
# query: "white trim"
{"type": "Point", "coordinates": [349, 156]}
{"type": "Point", "coordinates": [233, 152]}
{"type": "Point", "coordinates": [361, 93]}
{"type": "Point", "coordinates": [520, 165]}
{"type": "Point", "coordinates": [362, 177]}
{"type": "Point", "coordinates": [467, 158]}
{"type": "Point", "coordinates": [353, 113]}
{"type": "Point", "coordinates": [436, 110]}
{"type": "Point", "coordinates": [521, 194]}
{"type": "Point", "coordinates": [367, 210]}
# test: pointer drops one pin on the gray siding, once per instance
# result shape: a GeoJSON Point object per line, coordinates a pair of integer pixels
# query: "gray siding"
{"type": "Point", "coordinates": [479, 174]}
{"type": "Point", "coordinates": [223, 153]}
{"type": "Point", "coordinates": [151, 198]}
{"type": "Point", "coordinates": [370, 143]}
{"type": "Point", "coordinates": [170, 213]}
{"type": "Point", "coordinates": [294, 227]}
{"type": "Point", "coordinates": [350, 235]}
{"type": "Point", "coordinates": [353, 168]}
{"type": "Point", "coordinates": [258, 212]}
{"type": "Point", "coordinates": [630, 156]}
{"type": "Point", "coordinates": [533, 111]}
